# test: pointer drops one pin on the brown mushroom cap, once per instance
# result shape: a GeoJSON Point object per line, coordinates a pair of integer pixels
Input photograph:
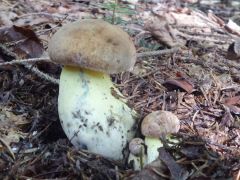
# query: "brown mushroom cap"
{"type": "Point", "coordinates": [159, 124]}
{"type": "Point", "coordinates": [93, 44]}
{"type": "Point", "coordinates": [135, 146]}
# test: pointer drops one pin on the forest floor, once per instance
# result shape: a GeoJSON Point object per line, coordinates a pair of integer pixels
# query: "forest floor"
{"type": "Point", "coordinates": [188, 58]}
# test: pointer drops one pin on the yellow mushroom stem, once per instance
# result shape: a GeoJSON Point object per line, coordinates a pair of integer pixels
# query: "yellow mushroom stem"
{"type": "Point", "coordinates": [93, 113]}
{"type": "Point", "coordinates": [152, 148]}
{"type": "Point", "coordinates": [153, 144]}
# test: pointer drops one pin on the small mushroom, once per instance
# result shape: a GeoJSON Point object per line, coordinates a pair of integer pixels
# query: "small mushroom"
{"type": "Point", "coordinates": [156, 125]}
{"type": "Point", "coordinates": [137, 156]}
{"type": "Point", "coordinates": [93, 113]}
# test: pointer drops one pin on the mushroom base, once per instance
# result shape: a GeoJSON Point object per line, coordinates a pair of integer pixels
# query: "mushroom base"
{"type": "Point", "coordinates": [138, 162]}
{"type": "Point", "coordinates": [93, 113]}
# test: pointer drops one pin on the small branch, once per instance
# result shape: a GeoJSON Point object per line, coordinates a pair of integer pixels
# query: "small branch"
{"type": "Point", "coordinates": [47, 59]}
{"type": "Point", "coordinates": [203, 64]}
{"type": "Point", "coordinates": [230, 65]}
{"type": "Point", "coordinates": [157, 53]}
{"type": "Point", "coordinates": [218, 36]}
{"type": "Point", "coordinates": [197, 38]}
{"type": "Point", "coordinates": [41, 74]}
{"type": "Point", "coordinates": [49, 15]}
{"type": "Point", "coordinates": [8, 148]}
{"type": "Point", "coordinates": [56, 81]}
{"type": "Point", "coordinates": [33, 69]}
{"type": "Point", "coordinates": [22, 61]}
{"type": "Point", "coordinates": [139, 55]}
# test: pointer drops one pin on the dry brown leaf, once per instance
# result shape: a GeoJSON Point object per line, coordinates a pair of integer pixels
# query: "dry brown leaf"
{"type": "Point", "coordinates": [214, 136]}
{"type": "Point", "coordinates": [177, 172]}
{"type": "Point", "coordinates": [234, 51]}
{"type": "Point", "coordinates": [232, 27]}
{"type": "Point", "coordinates": [227, 119]}
{"type": "Point", "coordinates": [179, 83]}
{"type": "Point", "coordinates": [9, 126]}
{"type": "Point", "coordinates": [189, 18]}
{"type": "Point", "coordinates": [189, 99]}
{"type": "Point", "coordinates": [233, 100]}
{"type": "Point", "coordinates": [232, 103]}
{"type": "Point", "coordinates": [216, 19]}
{"type": "Point", "coordinates": [138, 70]}
{"type": "Point", "coordinates": [191, 151]}
{"type": "Point", "coordinates": [146, 173]}
{"type": "Point", "coordinates": [160, 29]}
{"type": "Point", "coordinates": [234, 109]}
{"type": "Point", "coordinates": [22, 41]}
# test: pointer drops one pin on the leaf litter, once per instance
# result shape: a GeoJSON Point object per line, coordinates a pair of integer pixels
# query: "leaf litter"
{"type": "Point", "coordinates": [204, 91]}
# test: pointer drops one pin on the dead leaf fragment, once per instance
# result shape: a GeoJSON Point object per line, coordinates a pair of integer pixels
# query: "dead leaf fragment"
{"type": "Point", "coordinates": [22, 41]}
{"type": "Point", "coordinates": [177, 172]}
{"type": "Point", "coordinates": [234, 109]}
{"type": "Point", "coordinates": [216, 19]}
{"type": "Point", "coordinates": [160, 29]}
{"type": "Point", "coordinates": [146, 173]}
{"type": "Point", "coordinates": [233, 27]}
{"type": "Point", "coordinates": [233, 52]}
{"type": "Point", "coordinates": [227, 119]}
{"type": "Point", "coordinates": [179, 83]}
{"type": "Point", "coordinates": [233, 100]}
{"type": "Point", "coordinates": [191, 152]}
{"type": "Point", "coordinates": [232, 103]}
{"type": "Point", "coordinates": [9, 126]}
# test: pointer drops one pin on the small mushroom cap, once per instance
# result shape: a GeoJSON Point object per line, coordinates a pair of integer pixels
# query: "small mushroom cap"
{"type": "Point", "coordinates": [93, 44]}
{"type": "Point", "coordinates": [135, 146]}
{"type": "Point", "coordinates": [159, 124]}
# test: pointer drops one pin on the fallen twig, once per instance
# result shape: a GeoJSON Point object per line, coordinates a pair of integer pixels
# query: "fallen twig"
{"type": "Point", "coordinates": [26, 65]}
{"type": "Point", "coordinates": [8, 148]}
{"type": "Point", "coordinates": [157, 53]}
{"type": "Point", "coordinates": [47, 59]}
{"type": "Point", "coordinates": [139, 55]}
{"type": "Point", "coordinates": [30, 60]}
{"type": "Point", "coordinates": [41, 74]}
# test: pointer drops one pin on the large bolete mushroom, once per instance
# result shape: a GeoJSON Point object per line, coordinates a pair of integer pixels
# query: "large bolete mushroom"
{"type": "Point", "coordinates": [92, 111]}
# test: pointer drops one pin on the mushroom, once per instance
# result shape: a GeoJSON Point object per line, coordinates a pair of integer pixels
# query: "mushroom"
{"type": "Point", "coordinates": [93, 113]}
{"type": "Point", "coordinates": [156, 125]}
{"type": "Point", "coordinates": [137, 156]}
